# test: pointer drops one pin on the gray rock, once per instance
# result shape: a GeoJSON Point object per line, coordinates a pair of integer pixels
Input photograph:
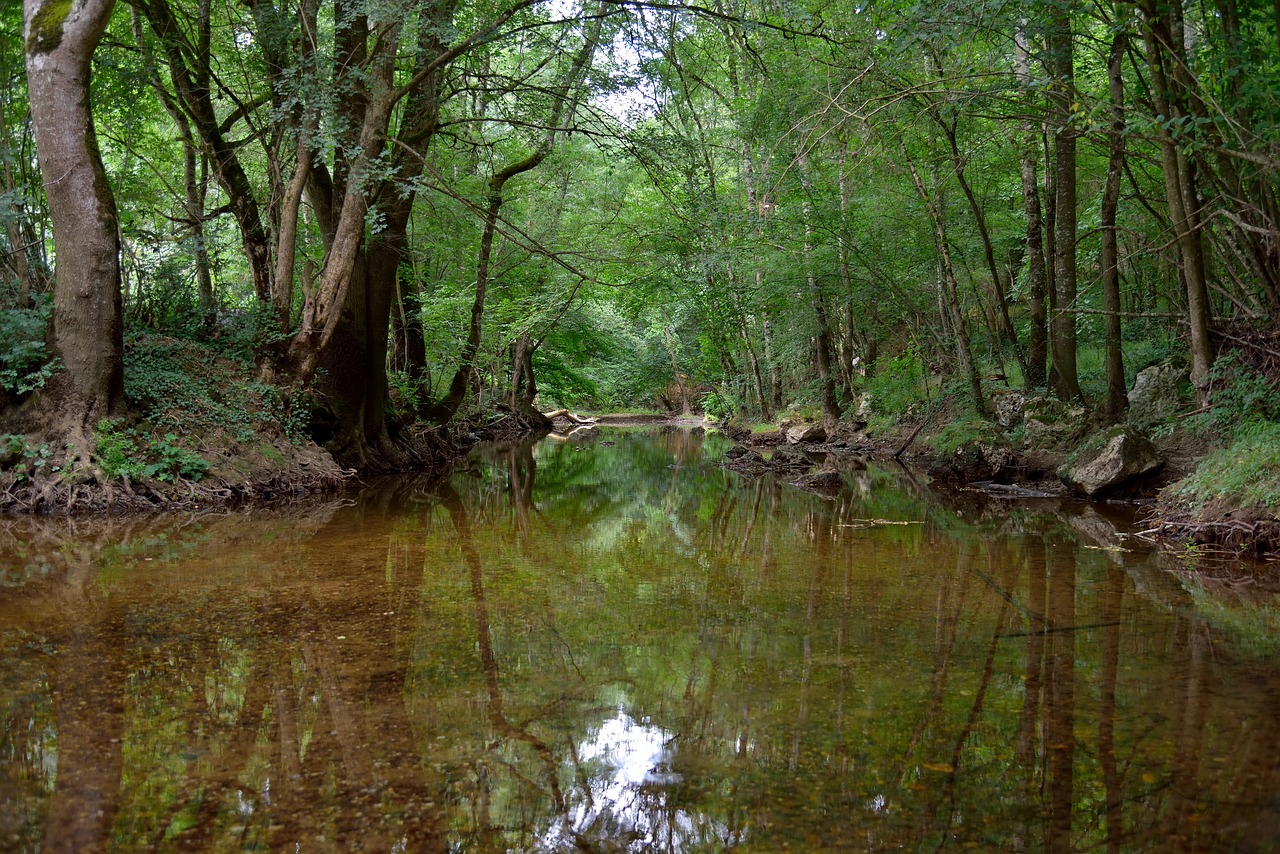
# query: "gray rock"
{"type": "Point", "coordinates": [823, 481]}
{"type": "Point", "coordinates": [989, 461]}
{"type": "Point", "coordinates": [804, 434]}
{"type": "Point", "coordinates": [1048, 422]}
{"type": "Point", "coordinates": [789, 458]}
{"type": "Point", "coordinates": [1009, 406]}
{"type": "Point", "coordinates": [1107, 462]}
{"type": "Point", "coordinates": [1154, 396]}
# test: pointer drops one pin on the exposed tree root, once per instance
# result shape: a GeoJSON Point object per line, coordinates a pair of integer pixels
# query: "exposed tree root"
{"type": "Point", "coordinates": [1240, 533]}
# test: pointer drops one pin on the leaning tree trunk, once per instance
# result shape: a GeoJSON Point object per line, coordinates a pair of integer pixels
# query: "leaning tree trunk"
{"type": "Point", "coordinates": [87, 310]}
{"type": "Point", "coordinates": [564, 106]}
{"type": "Point", "coordinates": [1180, 188]}
{"type": "Point", "coordinates": [950, 296]}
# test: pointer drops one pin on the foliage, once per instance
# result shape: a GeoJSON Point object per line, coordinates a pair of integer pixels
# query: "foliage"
{"type": "Point", "coordinates": [966, 431]}
{"type": "Point", "coordinates": [125, 452]}
{"type": "Point", "coordinates": [897, 383]}
{"type": "Point", "coordinates": [1246, 473]}
{"type": "Point", "coordinates": [23, 458]}
{"type": "Point", "coordinates": [25, 363]}
{"type": "Point", "coordinates": [1242, 397]}
{"type": "Point", "coordinates": [184, 387]}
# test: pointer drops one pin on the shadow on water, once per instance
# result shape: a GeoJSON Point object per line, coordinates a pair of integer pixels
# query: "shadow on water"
{"type": "Point", "coordinates": [611, 644]}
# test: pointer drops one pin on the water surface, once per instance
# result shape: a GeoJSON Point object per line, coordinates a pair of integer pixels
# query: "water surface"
{"type": "Point", "coordinates": [610, 644]}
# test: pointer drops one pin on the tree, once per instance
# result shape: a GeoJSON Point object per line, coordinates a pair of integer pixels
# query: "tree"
{"type": "Point", "coordinates": [87, 322]}
{"type": "Point", "coordinates": [1062, 324]}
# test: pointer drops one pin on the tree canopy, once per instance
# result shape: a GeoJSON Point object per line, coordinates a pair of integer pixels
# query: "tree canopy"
{"type": "Point", "coordinates": [404, 210]}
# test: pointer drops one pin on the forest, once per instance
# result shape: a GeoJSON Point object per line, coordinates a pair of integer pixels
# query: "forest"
{"type": "Point", "coordinates": [367, 222]}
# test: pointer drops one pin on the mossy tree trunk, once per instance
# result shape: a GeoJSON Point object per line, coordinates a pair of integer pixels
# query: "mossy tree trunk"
{"type": "Point", "coordinates": [61, 36]}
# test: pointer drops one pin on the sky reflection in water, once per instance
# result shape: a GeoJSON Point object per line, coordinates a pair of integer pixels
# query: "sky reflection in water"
{"type": "Point", "coordinates": [621, 647]}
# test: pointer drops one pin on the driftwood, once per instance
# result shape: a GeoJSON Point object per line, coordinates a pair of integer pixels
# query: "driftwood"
{"type": "Point", "coordinates": [897, 455]}
{"type": "Point", "coordinates": [569, 416]}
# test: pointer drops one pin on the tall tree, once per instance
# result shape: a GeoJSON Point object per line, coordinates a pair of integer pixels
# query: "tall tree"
{"type": "Point", "coordinates": [1062, 99]}
{"type": "Point", "coordinates": [1170, 89]}
{"type": "Point", "coordinates": [1116, 398]}
{"type": "Point", "coordinates": [88, 326]}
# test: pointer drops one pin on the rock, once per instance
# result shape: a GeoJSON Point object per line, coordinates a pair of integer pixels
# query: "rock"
{"type": "Point", "coordinates": [10, 452]}
{"type": "Point", "coordinates": [823, 481]}
{"type": "Point", "coordinates": [789, 458]}
{"type": "Point", "coordinates": [746, 461]}
{"type": "Point", "coordinates": [978, 460]}
{"type": "Point", "coordinates": [1009, 406]}
{"type": "Point", "coordinates": [1048, 422]}
{"type": "Point", "coordinates": [805, 434]}
{"type": "Point", "coordinates": [736, 432]}
{"type": "Point", "coordinates": [1109, 461]}
{"type": "Point", "coordinates": [1154, 396]}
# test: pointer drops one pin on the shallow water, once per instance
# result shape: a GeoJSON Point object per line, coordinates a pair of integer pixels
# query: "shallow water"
{"type": "Point", "coordinates": [610, 644]}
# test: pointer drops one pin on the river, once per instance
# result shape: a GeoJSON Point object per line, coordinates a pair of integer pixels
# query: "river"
{"type": "Point", "coordinates": [612, 644]}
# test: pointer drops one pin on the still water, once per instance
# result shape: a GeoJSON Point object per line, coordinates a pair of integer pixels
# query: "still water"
{"type": "Point", "coordinates": [611, 644]}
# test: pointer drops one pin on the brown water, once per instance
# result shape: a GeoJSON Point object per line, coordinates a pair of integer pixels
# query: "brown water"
{"type": "Point", "coordinates": [610, 644]}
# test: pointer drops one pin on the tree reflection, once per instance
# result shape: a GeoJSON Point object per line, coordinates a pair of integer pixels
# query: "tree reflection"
{"type": "Point", "coordinates": [589, 649]}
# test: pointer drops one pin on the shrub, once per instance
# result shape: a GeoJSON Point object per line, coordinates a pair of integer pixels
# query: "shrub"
{"type": "Point", "coordinates": [1246, 473]}
{"type": "Point", "coordinates": [25, 362]}
{"type": "Point", "coordinates": [124, 452]}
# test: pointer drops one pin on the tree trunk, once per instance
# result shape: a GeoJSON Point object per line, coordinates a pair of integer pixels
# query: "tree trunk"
{"type": "Point", "coordinates": [1179, 182]}
{"type": "Point", "coordinates": [1116, 398]}
{"type": "Point", "coordinates": [190, 70]}
{"type": "Point", "coordinates": [775, 375]}
{"type": "Point", "coordinates": [1038, 337]}
{"type": "Point", "coordinates": [16, 259]}
{"type": "Point", "coordinates": [1005, 324]}
{"type": "Point", "coordinates": [831, 410]}
{"type": "Point", "coordinates": [564, 106]}
{"type": "Point", "coordinates": [685, 408]}
{"type": "Point", "coordinates": [950, 296]}
{"type": "Point", "coordinates": [1062, 323]}
{"type": "Point", "coordinates": [87, 320]}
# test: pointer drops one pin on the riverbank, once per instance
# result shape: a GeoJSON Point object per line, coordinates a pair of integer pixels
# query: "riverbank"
{"type": "Point", "coordinates": [1203, 491]}
{"type": "Point", "coordinates": [202, 430]}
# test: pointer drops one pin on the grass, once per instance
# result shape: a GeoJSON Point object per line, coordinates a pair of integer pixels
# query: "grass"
{"type": "Point", "coordinates": [966, 431]}
{"type": "Point", "coordinates": [1245, 474]}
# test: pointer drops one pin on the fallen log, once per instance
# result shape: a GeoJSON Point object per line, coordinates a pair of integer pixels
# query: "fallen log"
{"type": "Point", "coordinates": [569, 416]}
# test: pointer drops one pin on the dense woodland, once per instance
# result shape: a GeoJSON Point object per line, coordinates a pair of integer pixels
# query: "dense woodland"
{"type": "Point", "coordinates": [401, 212]}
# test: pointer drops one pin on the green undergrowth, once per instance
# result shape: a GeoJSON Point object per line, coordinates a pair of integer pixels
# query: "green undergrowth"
{"type": "Point", "coordinates": [197, 413]}
{"type": "Point", "coordinates": [127, 452]}
{"type": "Point", "coordinates": [25, 362]}
{"type": "Point", "coordinates": [188, 388]}
{"type": "Point", "coordinates": [966, 431]}
{"type": "Point", "coordinates": [1245, 473]}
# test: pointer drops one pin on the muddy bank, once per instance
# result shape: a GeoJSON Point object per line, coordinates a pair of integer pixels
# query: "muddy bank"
{"type": "Point", "coordinates": [250, 468]}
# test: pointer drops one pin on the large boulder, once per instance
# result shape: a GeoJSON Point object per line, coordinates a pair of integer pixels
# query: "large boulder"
{"type": "Point", "coordinates": [1048, 422]}
{"type": "Point", "coordinates": [1008, 406]}
{"type": "Point", "coordinates": [789, 458]}
{"type": "Point", "coordinates": [1117, 458]}
{"type": "Point", "coordinates": [806, 434]}
{"type": "Point", "coordinates": [826, 481]}
{"type": "Point", "coordinates": [1154, 396]}
{"type": "Point", "coordinates": [977, 460]}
